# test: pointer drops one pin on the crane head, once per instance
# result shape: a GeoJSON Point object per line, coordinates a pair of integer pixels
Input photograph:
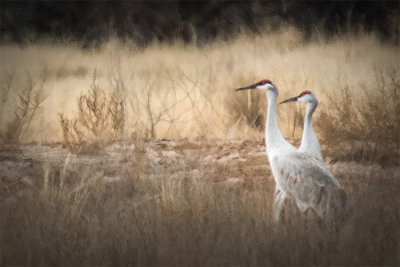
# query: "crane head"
{"type": "Point", "coordinates": [263, 85]}
{"type": "Point", "coordinates": [305, 97]}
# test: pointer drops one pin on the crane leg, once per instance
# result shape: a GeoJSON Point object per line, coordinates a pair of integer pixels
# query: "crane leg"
{"type": "Point", "coordinates": [279, 201]}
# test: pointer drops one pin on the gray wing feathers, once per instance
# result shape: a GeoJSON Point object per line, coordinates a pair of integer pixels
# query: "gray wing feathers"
{"type": "Point", "coordinates": [311, 185]}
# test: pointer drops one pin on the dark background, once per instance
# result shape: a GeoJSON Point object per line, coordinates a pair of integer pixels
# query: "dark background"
{"type": "Point", "coordinates": [92, 22]}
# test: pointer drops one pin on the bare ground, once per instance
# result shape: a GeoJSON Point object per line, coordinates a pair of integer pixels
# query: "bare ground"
{"type": "Point", "coordinates": [26, 164]}
{"type": "Point", "coordinates": [240, 160]}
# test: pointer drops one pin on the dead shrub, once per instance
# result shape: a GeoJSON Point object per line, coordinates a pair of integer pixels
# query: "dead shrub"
{"type": "Point", "coordinates": [101, 118]}
{"type": "Point", "coordinates": [157, 106]}
{"type": "Point", "coordinates": [28, 104]}
{"type": "Point", "coordinates": [364, 125]}
{"type": "Point", "coordinates": [5, 91]}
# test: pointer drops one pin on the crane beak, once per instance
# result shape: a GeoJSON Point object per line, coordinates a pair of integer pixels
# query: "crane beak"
{"type": "Point", "coordinates": [293, 99]}
{"type": "Point", "coordinates": [253, 86]}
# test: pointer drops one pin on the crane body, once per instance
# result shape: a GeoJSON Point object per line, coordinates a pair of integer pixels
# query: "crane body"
{"type": "Point", "coordinates": [299, 175]}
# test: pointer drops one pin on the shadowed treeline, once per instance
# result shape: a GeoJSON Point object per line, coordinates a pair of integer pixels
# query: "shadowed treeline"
{"type": "Point", "coordinates": [92, 22]}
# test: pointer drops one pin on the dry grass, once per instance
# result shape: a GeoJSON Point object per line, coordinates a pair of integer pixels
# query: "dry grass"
{"type": "Point", "coordinates": [175, 91]}
{"type": "Point", "coordinates": [29, 103]}
{"type": "Point", "coordinates": [101, 118]}
{"type": "Point", "coordinates": [212, 204]}
{"type": "Point", "coordinates": [189, 214]}
{"type": "Point", "coordinates": [363, 124]}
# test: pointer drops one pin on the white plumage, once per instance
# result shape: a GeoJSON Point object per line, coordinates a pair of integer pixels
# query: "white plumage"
{"type": "Point", "coordinates": [309, 142]}
{"type": "Point", "coordinates": [300, 175]}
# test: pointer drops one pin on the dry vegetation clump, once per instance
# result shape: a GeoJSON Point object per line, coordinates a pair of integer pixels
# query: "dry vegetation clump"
{"type": "Point", "coordinates": [363, 123]}
{"type": "Point", "coordinates": [101, 118]}
{"type": "Point", "coordinates": [188, 215]}
{"type": "Point", "coordinates": [166, 103]}
{"type": "Point", "coordinates": [29, 102]}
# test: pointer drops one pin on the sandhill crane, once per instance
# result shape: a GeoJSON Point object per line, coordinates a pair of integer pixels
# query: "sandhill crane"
{"type": "Point", "coordinates": [298, 175]}
{"type": "Point", "coordinates": [309, 142]}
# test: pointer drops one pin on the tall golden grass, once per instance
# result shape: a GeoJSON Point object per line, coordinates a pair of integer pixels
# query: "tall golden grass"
{"type": "Point", "coordinates": [176, 90]}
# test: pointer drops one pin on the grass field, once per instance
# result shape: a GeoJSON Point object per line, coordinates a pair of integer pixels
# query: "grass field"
{"type": "Point", "coordinates": [190, 89]}
{"type": "Point", "coordinates": [146, 156]}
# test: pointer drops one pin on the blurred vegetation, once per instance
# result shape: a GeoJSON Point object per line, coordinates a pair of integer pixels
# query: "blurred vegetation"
{"type": "Point", "coordinates": [101, 118]}
{"type": "Point", "coordinates": [363, 124]}
{"type": "Point", "coordinates": [29, 102]}
{"type": "Point", "coordinates": [93, 22]}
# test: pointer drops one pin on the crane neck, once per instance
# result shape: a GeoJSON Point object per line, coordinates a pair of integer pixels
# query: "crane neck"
{"type": "Point", "coordinates": [308, 118]}
{"type": "Point", "coordinates": [273, 136]}
{"type": "Point", "coordinates": [309, 142]}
